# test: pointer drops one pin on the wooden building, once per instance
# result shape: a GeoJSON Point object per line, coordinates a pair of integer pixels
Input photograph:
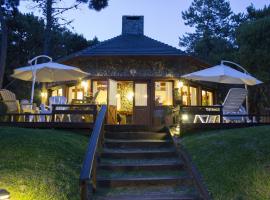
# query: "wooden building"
{"type": "Point", "coordinates": [136, 76]}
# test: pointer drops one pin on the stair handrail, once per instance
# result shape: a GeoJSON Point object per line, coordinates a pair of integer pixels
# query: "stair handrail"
{"type": "Point", "coordinates": [88, 172]}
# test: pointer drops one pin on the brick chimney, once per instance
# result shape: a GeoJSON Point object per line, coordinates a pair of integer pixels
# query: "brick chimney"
{"type": "Point", "coordinates": [132, 25]}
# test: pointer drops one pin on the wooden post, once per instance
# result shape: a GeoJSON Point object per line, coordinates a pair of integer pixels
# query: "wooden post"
{"type": "Point", "coordinates": [221, 114]}
{"type": "Point", "coordinates": [53, 113]}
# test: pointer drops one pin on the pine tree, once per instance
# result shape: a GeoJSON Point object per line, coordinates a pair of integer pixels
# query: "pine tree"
{"type": "Point", "coordinates": [214, 24]}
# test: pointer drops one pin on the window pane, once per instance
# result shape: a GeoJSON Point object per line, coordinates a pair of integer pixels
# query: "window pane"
{"type": "Point", "coordinates": [112, 93]}
{"type": "Point", "coordinates": [54, 93]}
{"type": "Point", "coordinates": [184, 92]}
{"type": "Point", "coordinates": [80, 95]}
{"type": "Point", "coordinates": [60, 92]}
{"type": "Point", "coordinates": [71, 94]}
{"type": "Point", "coordinates": [163, 93]}
{"type": "Point", "coordinates": [193, 96]}
{"type": "Point", "coordinates": [207, 98]}
{"type": "Point", "coordinates": [141, 94]}
{"type": "Point", "coordinates": [100, 91]}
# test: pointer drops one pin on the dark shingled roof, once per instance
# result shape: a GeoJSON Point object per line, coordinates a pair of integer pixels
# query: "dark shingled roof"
{"type": "Point", "coordinates": [128, 45]}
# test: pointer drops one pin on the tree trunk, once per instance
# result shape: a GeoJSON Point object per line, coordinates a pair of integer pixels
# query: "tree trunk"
{"type": "Point", "coordinates": [3, 53]}
{"type": "Point", "coordinates": [48, 28]}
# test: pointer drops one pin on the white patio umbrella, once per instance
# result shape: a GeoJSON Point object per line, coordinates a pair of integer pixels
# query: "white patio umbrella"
{"type": "Point", "coordinates": [224, 74]}
{"type": "Point", "coordinates": [47, 72]}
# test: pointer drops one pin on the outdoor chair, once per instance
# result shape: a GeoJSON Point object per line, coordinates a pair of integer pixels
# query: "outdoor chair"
{"type": "Point", "coordinates": [232, 105]}
{"type": "Point", "coordinates": [13, 105]}
{"type": "Point", "coordinates": [55, 100]}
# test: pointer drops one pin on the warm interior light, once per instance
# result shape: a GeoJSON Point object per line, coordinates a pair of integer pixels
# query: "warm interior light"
{"type": "Point", "coordinates": [84, 84]}
{"type": "Point", "coordinates": [130, 96]}
{"type": "Point", "coordinates": [180, 84]}
{"type": "Point", "coordinates": [184, 117]}
{"type": "Point", "coordinates": [43, 94]}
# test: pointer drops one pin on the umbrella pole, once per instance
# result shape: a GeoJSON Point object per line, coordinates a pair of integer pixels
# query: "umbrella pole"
{"type": "Point", "coordinates": [33, 84]}
{"type": "Point", "coordinates": [247, 105]}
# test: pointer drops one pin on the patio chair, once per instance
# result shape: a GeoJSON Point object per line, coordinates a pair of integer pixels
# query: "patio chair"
{"type": "Point", "coordinates": [232, 105]}
{"type": "Point", "coordinates": [55, 100]}
{"type": "Point", "coordinates": [9, 99]}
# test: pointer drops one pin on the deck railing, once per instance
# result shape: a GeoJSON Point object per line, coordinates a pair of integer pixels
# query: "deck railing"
{"type": "Point", "coordinates": [214, 114]}
{"type": "Point", "coordinates": [88, 179]}
{"type": "Point", "coordinates": [194, 118]}
{"type": "Point", "coordinates": [64, 113]}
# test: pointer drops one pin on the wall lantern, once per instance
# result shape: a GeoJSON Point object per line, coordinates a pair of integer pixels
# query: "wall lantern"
{"type": "Point", "coordinates": [4, 194]}
{"type": "Point", "coordinates": [185, 117]}
{"type": "Point", "coordinates": [132, 72]}
{"type": "Point", "coordinates": [180, 84]}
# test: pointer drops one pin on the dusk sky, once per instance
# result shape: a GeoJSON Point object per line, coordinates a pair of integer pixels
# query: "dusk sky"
{"type": "Point", "coordinates": [163, 20]}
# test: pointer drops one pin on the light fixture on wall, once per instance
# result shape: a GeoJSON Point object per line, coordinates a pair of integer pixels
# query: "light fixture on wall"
{"type": "Point", "coordinates": [185, 117]}
{"type": "Point", "coordinates": [180, 84]}
{"type": "Point", "coordinates": [132, 72]}
{"type": "Point", "coordinates": [4, 194]}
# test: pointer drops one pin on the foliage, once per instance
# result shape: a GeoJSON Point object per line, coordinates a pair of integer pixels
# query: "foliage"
{"type": "Point", "coordinates": [26, 41]}
{"type": "Point", "coordinates": [234, 163]}
{"type": "Point", "coordinates": [7, 8]}
{"type": "Point", "coordinates": [214, 24]}
{"type": "Point", "coordinates": [253, 39]}
{"type": "Point", "coordinates": [52, 13]}
{"type": "Point", "coordinates": [40, 164]}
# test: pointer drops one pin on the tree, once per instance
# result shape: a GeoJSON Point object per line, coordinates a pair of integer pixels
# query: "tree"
{"type": "Point", "coordinates": [214, 24]}
{"type": "Point", "coordinates": [53, 14]}
{"type": "Point", "coordinates": [26, 33]}
{"type": "Point", "coordinates": [7, 8]}
{"type": "Point", "coordinates": [253, 40]}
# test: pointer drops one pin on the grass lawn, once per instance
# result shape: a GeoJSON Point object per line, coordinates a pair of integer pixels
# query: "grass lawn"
{"type": "Point", "coordinates": [235, 164]}
{"type": "Point", "coordinates": [40, 164]}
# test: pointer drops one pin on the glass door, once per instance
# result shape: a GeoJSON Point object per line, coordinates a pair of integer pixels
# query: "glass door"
{"type": "Point", "coordinates": [141, 104]}
{"type": "Point", "coordinates": [112, 102]}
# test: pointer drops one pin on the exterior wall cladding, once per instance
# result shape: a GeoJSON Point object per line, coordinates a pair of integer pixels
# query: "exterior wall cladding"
{"type": "Point", "coordinates": [133, 25]}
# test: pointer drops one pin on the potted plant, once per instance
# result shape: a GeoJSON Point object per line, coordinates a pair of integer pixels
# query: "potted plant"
{"type": "Point", "coordinates": [168, 116]}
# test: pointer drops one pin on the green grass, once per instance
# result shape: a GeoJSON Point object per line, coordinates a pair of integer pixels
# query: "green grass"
{"type": "Point", "coordinates": [235, 164]}
{"type": "Point", "coordinates": [40, 164]}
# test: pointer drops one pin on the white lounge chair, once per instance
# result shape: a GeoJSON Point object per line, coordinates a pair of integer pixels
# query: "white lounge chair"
{"type": "Point", "coordinates": [232, 105]}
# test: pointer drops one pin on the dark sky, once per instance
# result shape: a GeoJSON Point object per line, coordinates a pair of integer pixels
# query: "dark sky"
{"type": "Point", "coordinates": [162, 17]}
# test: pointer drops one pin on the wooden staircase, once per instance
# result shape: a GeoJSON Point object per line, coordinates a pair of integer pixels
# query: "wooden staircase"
{"type": "Point", "coordinates": [142, 165]}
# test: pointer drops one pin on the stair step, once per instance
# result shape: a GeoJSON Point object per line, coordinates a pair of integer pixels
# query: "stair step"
{"type": "Point", "coordinates": [113, 143]}
{"type": "Point", "coordinates": [136, 135]}
{"type": "Point", "coordinates": [132, 181]}
{"type": "Point", "coordinates": [140, 161]}
{"type": "Point", "coordinates": [143, 166]}
{"type": "Point", "coordinates": [139, 154]}
{"type": "Point", "coordinates": [151, 197]}
{"type": "Point", "coordinates": [135, 192]}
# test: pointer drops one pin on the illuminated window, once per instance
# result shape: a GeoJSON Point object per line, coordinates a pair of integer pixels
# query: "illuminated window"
{"type": "Point", "coordinates": [71, 93]}
{"type": "Point", "coordinates": [163, 93]}
{"type": "Point", "coordinates": [193, 96]}
{"type": "Point", "coordinates": [58, 92]}
{"type": "Point", "coordinates": [184, 93]}
{"type": "Point", "coordinates": [207, 98]}
{"type": "Point", "coordinates": [140, 94]}
{"type": "Point", "coordinates": [100, 92]}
